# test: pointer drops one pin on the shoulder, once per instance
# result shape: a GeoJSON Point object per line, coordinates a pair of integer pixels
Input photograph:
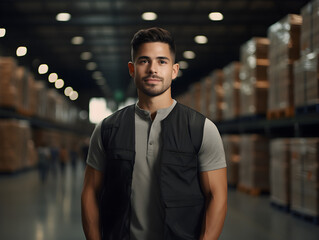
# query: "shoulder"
{"type": "Point", "coordinates": [193, 116]}
{"type": "Point", "coordinates": [116, 116]}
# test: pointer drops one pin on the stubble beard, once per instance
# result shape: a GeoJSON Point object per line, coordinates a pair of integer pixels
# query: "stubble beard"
{"type": "Point", "coordinates": [151, 89]}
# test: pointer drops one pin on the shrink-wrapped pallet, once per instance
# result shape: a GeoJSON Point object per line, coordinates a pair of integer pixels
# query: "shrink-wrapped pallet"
{"type": "Point", "coordinates": [309, 27]}
{"type": "Point", "coordinates": [231, 91]}
{"type": "Point", "coordinates": [254, 162]}
{"type": "Point", "coordinates": [305, 176]}
{"type": "Point", "coordinates": [306, 74]}
{"type": "Point", "coordinates": [40, 93]}
{"type": "Point", "coordinates": [17, 151]}
{"type": "Point", "coordinates": [231, 146]}
{"type": "Point", "coordinates": [8, 91]}
{"type": "Point", "coordinates": [185, 98]}
{"type": "Point", "coordinates": [280, 171]}
{"type": "Point", "coordinates": [206, 85]}
{"type": "Point", "coordinates": [253, 77]}
{"type": "Point", "coordinates": [26, 90]}
{"type": "Point", "coordinates": [284, 49]}
{"type": "Point", "coordinates": [217, 95]}
{"type": "Point", "coordinates": [195, 91]}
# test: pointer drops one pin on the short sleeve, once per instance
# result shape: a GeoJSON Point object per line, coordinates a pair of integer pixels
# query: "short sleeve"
{"type": "Point", "coordinates": [96, 156]}
{"type": "Point", "coordinates": [211, 155]}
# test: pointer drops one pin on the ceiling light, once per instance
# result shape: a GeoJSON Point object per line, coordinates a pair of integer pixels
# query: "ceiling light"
{"type": "Point", "coordinates": [149, 16]}
{"type": "Point", "coordinates": [91, 66]}
{"type": "Point", "coordinates": [86, 55]}
{"type": "Point", "coordinates": [216, 16]}
{"type": "Point", "coordinates": [2, 32]}
{"type": "Point", "coordinates": [97, 75]}
{"type": "Point", "coordinates": [63, 17]}
{"type": "Point", "coordinates": [74, 95]}
{"type": "Point", "coordinates": [68, 91]}
{"type": "Point", "coordinates": [59, 83]}
{"type": "Point", "coordinates": [53, 77]}
{"type": "Point", "coordinates": [201, 39]}
{"type": "Point", "coordinates": [43, 69]}
{"type": "Point", "coordinates": [21, 51]}
{"type": "Point", "coordinates": [78, 40]}
{"type": "Point", "coordinates": [189, 55]}
{"type": "Point", "coordinates": [183, 64]}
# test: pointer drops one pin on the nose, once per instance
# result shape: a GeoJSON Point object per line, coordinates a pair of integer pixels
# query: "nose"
{"type": "Point", "coordinates": [152, 67]}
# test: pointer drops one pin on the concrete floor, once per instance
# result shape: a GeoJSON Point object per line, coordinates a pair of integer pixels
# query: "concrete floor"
{"type": "Point", "coordinates": [32, 210]}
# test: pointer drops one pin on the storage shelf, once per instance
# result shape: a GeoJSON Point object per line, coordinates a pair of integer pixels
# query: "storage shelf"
{"type": "Point", "coordinates": [298, 126]}
{"type": "Point", "coordinates": [36, 122]}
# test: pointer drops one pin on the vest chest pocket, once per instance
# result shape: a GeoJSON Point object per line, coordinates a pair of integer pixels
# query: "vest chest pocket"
{"type": "Point", "coordinates": [119, 163]}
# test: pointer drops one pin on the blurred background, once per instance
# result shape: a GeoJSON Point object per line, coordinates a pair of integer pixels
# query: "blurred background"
{"type": "Point", "coordinates": [249, 66]}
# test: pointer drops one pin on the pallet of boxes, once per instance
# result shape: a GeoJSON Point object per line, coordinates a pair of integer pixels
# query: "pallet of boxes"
{"type": "Point", "coordinates": [253, 78]}
{"type": "Point", "coordinates": [304, 162]}
{"type": "Point", "coordinates": [284, 50]}
{"type": "Point", "coordinates": [17, 152]}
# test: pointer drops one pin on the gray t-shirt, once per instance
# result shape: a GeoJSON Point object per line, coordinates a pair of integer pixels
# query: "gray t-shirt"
{"type": "Point", "coordinates": [147, 211]}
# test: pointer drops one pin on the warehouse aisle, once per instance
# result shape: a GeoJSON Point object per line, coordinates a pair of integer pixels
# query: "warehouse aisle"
{"type": "Point", "coordinates": [31, 210]}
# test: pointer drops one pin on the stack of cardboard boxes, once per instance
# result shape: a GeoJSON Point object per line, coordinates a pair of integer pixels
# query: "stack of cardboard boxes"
{"type": "Point", "coordinates": [216, 104]}
{"type": "Point", "coordinates": [306, 69]}
{"type": "Point", "coordinates": [8, 91]}
{"type": "Point", "coordinates": [254, 162]}
{"type": "Point", "coordinates": [280, 172]}
{"type": "Point", "coordinates": [253, 77]}
{"type": "Point", "coordinates": [231, 146]}
{"type": "Point", "coordinates": [284, 49]}
{"type": "Point", "coordinates": [304, 179]}
{"type": "Point", "coordinates": [17, 151]}
{"type": "Point", "coordinates": [231, 87]}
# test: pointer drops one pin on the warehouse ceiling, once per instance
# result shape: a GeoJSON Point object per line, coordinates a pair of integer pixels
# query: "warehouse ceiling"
{"type": "Point", "coordinates": [107, 26]}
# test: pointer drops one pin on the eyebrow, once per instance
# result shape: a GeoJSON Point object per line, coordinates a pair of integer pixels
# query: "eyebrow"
{"type": "Point", "coordinates": [160, 57]}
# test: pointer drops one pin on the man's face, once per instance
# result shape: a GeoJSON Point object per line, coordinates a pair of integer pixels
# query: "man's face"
{"type": "Point", "coordinates": [153, 68]}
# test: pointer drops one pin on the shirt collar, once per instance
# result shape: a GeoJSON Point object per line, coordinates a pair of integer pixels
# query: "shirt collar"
{"type": "Point", "coordinates": [160, 115]}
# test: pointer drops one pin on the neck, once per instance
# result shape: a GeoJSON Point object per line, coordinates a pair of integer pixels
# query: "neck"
{"type": "Point", "coordinates": [152, 104]}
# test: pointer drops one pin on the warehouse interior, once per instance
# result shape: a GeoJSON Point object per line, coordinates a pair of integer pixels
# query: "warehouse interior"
{"type": "Point", "coordinates": [252, 67]}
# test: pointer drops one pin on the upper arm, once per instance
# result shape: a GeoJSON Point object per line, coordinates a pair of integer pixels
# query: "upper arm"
{"type": "Point", "coordinates": [211, 155]}
{"type": "Point", "coordinates": [92, 180]}
{"type": "Point", "coordinates": [214, 183]}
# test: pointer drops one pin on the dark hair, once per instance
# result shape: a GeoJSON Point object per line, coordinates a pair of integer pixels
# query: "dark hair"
{"type": "Point", "coordinates": [154, 34]}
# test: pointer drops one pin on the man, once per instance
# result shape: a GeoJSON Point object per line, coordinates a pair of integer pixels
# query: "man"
{"type": "Point", "coordinates": [156, 170]}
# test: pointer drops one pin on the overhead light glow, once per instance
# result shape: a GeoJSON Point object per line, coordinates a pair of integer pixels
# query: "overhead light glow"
{"type": "Point", "coordinates": [21, 51]}
{"type": "Point", "coordinates": [43, 69]}
{"type": "Point", "coordinates": [68, 91]}
{"type": "Point", "coordinates": [53, 77]}
{"type": "Point", "coordinates": [59, 83]}
{"type": "Point", "coordinates": [63, 17]}
{"type": "Point", "coordinates": [86, 56]}
{"type": "Point", "coordinates": [2, 32]}
{"type": "Point", "coordinates": [149, 16]}
{"type": "Point", "coordinates": [216, 16]}
{"type": "Point", "coordinates": [180, 73]}
{"type": "Point", "coordinates": [201, 39]}
{"type": "Point", "coordinates": [189, 55]}
{"type": "Point", "coordinates": [97, 75]}
{"type": "Point", "coordinates": [91, 66]}
{"type": "Point", "coordinates": [183, 64]}
{"type": "Point", "coordinates": [74, 95]}
{"type": "Point", "coordinates": [77, 40]}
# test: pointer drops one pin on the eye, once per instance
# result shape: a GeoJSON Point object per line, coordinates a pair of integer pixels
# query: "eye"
{"type": "Point", "coordinates": [142, 61]}
{"type": "Point", "coordinates": [163, 62]}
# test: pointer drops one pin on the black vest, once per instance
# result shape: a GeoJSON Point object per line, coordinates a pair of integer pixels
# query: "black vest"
{"type": "Point", "coordinates": [181, 194]}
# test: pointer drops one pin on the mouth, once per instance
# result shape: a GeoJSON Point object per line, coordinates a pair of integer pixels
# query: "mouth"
{"type": "Point", "coordinates": [152, 79]}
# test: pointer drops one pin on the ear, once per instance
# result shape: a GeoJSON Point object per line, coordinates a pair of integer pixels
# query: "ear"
{"type": "Point", "coordinates": [131, 69]}
{"type": "Point", "coordinates": [175, 71]}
